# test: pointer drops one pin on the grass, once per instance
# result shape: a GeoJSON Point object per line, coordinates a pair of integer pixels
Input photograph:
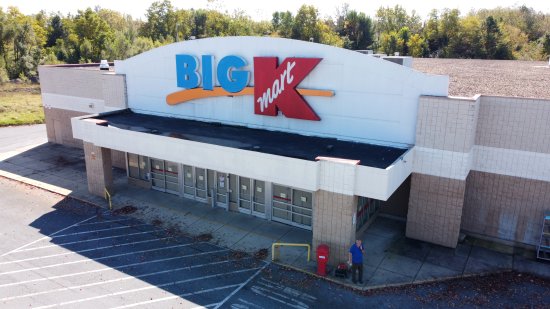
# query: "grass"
{"type": "Point", "coordinates": [20, 104]}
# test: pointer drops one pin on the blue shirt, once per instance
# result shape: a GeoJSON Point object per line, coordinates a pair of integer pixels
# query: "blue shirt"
{"type": "Point", "coordinates": [356, 254]}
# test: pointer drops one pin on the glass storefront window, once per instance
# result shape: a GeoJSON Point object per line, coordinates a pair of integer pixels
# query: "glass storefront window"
{"type": "Point", "coordinates": [138, 166]}
{"type": "Point", "coordinates": [133, 165]}
{"type": "Point", "coordinates": [366, 209]}
{"type": "Point", "coordinates": [292, 205]}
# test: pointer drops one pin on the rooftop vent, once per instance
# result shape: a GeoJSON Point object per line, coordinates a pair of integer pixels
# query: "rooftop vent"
{"type": "Point", "coordinates": [104, 65]}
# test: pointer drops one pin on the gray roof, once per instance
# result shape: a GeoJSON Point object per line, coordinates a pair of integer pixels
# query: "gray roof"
{"type": "Point", "coordinates": [271, 142]}
{"type": "Point", "coordinates": [511, 78]}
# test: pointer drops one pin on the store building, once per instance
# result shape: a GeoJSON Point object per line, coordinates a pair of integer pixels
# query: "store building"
{"type": "Point", "coordinates": [309, 135]}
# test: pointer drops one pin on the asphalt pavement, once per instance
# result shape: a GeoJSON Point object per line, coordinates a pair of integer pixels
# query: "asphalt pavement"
{"type": "Point", "coordinates": [16, 137]}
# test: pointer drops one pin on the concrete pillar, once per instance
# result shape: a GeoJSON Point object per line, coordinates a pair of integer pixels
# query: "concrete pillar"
{"type": "Point", "coordinates": [334, 207]}
{"type": "Point", "coordinates": [435, 209]}
{"type": "Point", "coordinates": [333, 224]}
{"type": "Point", "coordinates": [98, 169]}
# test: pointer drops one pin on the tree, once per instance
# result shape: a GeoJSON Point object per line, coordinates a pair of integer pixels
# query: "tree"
{"type": "Point", "coordinates": [469, 39]}
{"type": "Point", "coordinates": [546, 45]}
{"type": "Point", "coordinates": [56, 31]}
{"type": "Point", "coordinates": [93, 31]}
{"type": "Point", "coordinates": [329, 36]}
{"type": "Point", "coordinates": [492, 35]}
{"type": "Point", "coordinates": [305, 26]}
{"type": "Point", "coordinates": [393, 19]}
{"type": "Point", "coordinates": [417, 46]}
{"type": "Point", "coordinates": [389, 42]}
{"type": "Point", "coordinates": [283, 23]}
{"type": "Point", "coordinates": [449, 27]}
{"type": "Point", "coordinates": [403, 37]}
{"type": "Point", "coordinates": [357, 28]}
{"type": "Point", "coordinates": [160, 21]}
{"type": "Point", "coordinates": [432, 35]}
{"type": "Point", "coordinates": [495, 45]}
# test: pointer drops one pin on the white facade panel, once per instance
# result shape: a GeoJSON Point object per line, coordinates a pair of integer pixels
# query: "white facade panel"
{"type": "Point", "coordinates": [375, 100]}
{"type": "Point", "coordinates": [308, 175]}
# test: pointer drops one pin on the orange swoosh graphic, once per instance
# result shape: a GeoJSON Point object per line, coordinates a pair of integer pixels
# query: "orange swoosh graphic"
{"type": "Point", "coordinates": [199, 93]}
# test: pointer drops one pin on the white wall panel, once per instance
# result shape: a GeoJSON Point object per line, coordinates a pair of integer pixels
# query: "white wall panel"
{"type": "Point", "coordinates": [365, 87]}
{"type": "Point", "coordinates": [309, 175]}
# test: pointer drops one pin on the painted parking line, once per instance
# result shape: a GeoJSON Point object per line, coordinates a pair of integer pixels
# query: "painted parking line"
{"type": "Point", "coordinates": [78, 287]}
{"type": "Point", "coordinates": [96, 259]}
{"type": "Point", "coordinates": [88, 240]}
{"type": "Point", "coordinates": [152, 287]}
{"type": "Point", "coordinates": [179, 296]}
{"type": "Point", "coordinates": [282, 294]}
{"type": "Point", "coordinates": [82, 251]}
{"type": "Point", "coordinates": [100, 230]}
{"type": "Point", "coordinates": [239, 287]}
{"type": "Point", "coordinates": [111, 268]}
{"type": "Point", "coordinates": [46, 237]}
{"type": "Point", "coordinates": [106, 221]}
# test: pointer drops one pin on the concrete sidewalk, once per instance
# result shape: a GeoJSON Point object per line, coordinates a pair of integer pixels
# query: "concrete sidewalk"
{"type": "Point", "coordinates": [391, 258]}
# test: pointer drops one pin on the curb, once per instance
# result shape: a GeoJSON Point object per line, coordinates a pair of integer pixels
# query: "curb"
{"type": "Point", "coordinates": [382, 286]}
{"type": "Point", "coordinates": [46, 187]}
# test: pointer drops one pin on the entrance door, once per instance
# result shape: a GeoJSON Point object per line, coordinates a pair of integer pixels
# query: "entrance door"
{"type": "Point", "coordinates": [222, 185]}
{"type": "Point", "coordinates": [200, 183]}
{"type": "Point", "coordinates": [188, 182]}
{"type": "Point", "coordinates": [245, 195]}
{"type": "Point", "coordinates": [157, 175]}
{"type": "Point", "coordinates": [164, 176]}
{"type": "Point", "coordinates": [252, 196]}
{"type": "Point", "coordinates": [172, 177]}
{"type": "Point", "coordinates": [258, 205]}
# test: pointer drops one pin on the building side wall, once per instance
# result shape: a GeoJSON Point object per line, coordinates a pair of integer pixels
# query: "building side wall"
{"type": "Point", "coordinates": [501, 148]}
{"type": "Point", "coordinates": [75, 82]}
{"type": "Point", "coordinates": [505, 207]}
{"type": "Point", "coordinates": [71, 92]}
{"type": "Point", "coordinates": [435, 209]}
{"type": "Point", "coordinates": [447, 123]}
{"type": "Point", "coordinates": [514, 123]}
{"type": "Point", "coordinates": [58, 126]}
{"type": "Point", "coordinates": [445, 136]}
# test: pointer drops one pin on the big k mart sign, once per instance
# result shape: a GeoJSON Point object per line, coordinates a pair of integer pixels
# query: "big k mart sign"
{"type": "Point", "coordinates": [275, 85]}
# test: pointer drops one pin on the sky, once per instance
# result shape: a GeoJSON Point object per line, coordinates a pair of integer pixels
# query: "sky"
{"type": "Point", "coordinates": [262, 10]}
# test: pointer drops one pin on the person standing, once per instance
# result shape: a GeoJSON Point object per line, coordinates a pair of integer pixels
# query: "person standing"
{"type": "Point", "coordinates": [356, 260]}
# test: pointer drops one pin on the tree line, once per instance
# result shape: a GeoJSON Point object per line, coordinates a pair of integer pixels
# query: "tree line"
{"type": "Point", "coordinates": [94, 34]}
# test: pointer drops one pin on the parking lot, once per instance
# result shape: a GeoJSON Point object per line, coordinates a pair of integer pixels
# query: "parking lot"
{"type": "Point", "coordinates": [114, 262]}
{"type": "Point", "coordinates": [63, 253]}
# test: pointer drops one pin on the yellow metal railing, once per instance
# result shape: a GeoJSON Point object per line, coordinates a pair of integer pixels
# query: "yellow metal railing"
{"type": "Point", "coordinates": [108, 197]}
{"type": "Point", "coordinates": [274, 249]}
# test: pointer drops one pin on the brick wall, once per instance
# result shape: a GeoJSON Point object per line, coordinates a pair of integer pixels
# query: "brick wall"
{"type": "Point", "coordinates": [98, 169]}
{"type": "Point", "coordinates": [333, 223]}
{"type": "Point", "coordinates": [514, 123]}
{"type": "Point", "coordinates": [77, 82]}
{"type": "Point", "coordinates": [505, 207]}
{"type": "Point", "coordinates": [435, 209]}
{"type": "Point", "coordinates": [500, 146]}
{"type": "Point", "coordinates": [446, 123]}
{"type": "Point", "coordinates": [58, 126]}
{"type": "Point", "coordinates": [445, 136]}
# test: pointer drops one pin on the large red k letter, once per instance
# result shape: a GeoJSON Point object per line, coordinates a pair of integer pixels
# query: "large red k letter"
{"type": "Point", "coordinates": [275, 87]}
